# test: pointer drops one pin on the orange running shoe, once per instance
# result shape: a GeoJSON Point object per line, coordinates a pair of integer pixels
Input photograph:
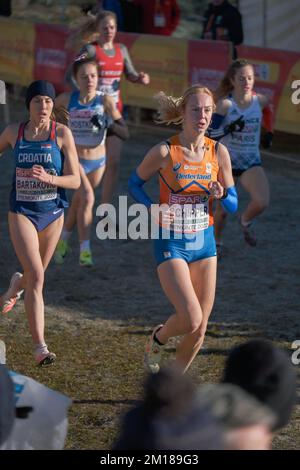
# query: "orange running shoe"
{"type": "Point", "coordinates": [9, 299]}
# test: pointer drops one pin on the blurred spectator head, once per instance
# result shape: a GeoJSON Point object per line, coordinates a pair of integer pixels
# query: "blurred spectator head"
{"type": "Point", "coordinates": [266, 373]}
{"type": "Point", "coordinates": [7, 404]}
{"type": "Point", "coordinates": [245, 422]}
{"type": "Point", "coordinates": [169, 417]}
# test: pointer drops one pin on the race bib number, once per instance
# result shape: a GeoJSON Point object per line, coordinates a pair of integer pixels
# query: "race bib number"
{"type": "Point", "coordinates": [191, 212]}
{"type": "Point", "coordinates": [29, 189]}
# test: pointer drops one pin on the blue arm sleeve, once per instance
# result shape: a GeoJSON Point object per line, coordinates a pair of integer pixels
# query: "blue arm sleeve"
{"type": "Point", "coordinates": [230, 203]}
{"type": "Point", "coordinates": [135, 187]}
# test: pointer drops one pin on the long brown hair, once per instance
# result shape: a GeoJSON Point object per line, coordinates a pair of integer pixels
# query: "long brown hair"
{"type": "Point", "coordinates": [171, 109]}
{"type": "Point", "coordinates": [87, 30]}
{"type": "Point", "coordinates": [226, 85]}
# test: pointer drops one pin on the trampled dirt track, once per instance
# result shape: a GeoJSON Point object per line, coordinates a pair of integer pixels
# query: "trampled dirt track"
{"type": "Point", "coordinates": [97, 319]}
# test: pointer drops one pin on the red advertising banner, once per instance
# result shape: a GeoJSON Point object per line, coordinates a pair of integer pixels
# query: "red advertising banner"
{"type": "Point", "coordinates": [37, 51]}
{"type": "Point", "coordinates": [163, 58]}
{"type": "Point", "coordinates": [208, 61]}
{"type": "Point", "coordinates": [173, 64]}
{"type": "Point", "coordinates": [275, 72]}
{"type": "Point", "coordinates": [51, 56]}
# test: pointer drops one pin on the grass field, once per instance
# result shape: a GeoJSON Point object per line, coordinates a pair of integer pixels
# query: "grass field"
{"type": "Point", "coordinates": [97, 319]}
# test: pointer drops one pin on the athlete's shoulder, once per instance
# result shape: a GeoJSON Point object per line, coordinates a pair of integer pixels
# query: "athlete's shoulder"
{"type": "Point", "coordinates": [223, 105]}
{"type": "Point", "coordinates": [89, 50]}
{"type": "Point", "coordinates": [262, 99]}
{"type": "Point", "coordinates": [62, 130]}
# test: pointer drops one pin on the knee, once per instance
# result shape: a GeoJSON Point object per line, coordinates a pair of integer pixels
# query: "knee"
{"type": "Point", "coordinates": [87, 198]}
{"type": "Point", "coordinates": [35, 278]}
{"type": "Point", "coordinates": [193, 317]}
{"type": "Point", "coordinates": [261, 204]}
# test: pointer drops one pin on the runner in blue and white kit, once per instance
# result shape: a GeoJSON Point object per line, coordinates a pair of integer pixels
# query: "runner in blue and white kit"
{"type": "Point", "coordinates": [237, 103]}
{"type": "Point", "coordinates": [92, 116]}
{"type": "Point", "coordinates": [46, 164]}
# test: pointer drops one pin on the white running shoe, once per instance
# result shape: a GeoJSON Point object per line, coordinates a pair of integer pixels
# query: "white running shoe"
{"type": "Point", "coordinates": [153, 352]}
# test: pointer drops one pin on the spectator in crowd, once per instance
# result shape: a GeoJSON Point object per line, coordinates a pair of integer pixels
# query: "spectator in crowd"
{"type": "Point", "coordinates": [159, 16]}
{"type": "Point", "coordinates": [115, 6]}
{"type": "Point", "coordinates": [169, 417]}
{"type": "Point", "coordinates": [5, 8]}
{"type": "Point", "coordinates": [37, 415]}
{"type": "Point", "coordinates": [174, 414]}
{"type": "Point", "coordinates": [245, 423]}
{"type": "Point", "coordinates": [265, 372]}
{"type": "Point", "coordinates": [7, 404]}
{"type": "Point", "coordinates": [131, 16]}
{"type": "Point", "coordinates": [222, 22]}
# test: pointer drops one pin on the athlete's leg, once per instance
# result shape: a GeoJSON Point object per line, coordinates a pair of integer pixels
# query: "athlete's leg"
{"type": "Point", "coordinates": [26, 243]}
{"type": "Point", "coordinates": [255, 182]}
{"type": "Point", "coordinates": [111, 175]}
{"type": "Point", "coordinates": [220, 217]}
{"type": "Point", "coordinates": [87, 200]}
{"type": "Point", "coordinates": [176, 282]}
{"type": "Point", "coordinates": [71, 218]}
{"type": "Point", "coordinates": [203, 277]}
{"type": "Point", "coordinates": [85, 205]}
{"type": "Point", "coordinates": [48, 239]}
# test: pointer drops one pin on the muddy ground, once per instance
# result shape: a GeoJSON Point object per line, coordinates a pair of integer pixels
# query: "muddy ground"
{"type": "Point", "coordinates": [97, 319]}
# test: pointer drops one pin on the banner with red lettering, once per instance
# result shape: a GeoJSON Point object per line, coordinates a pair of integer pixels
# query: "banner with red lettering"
{"type": "Point", "coordinates": [208, 61]}
{"type": "Point", "coordinates": [275, 71]}
{"type": "Point", "coordinates": [51, 56]}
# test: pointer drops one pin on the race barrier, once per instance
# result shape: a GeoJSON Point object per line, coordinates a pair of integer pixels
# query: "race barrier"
{"type": "Point", "coordinates": [31, 51]}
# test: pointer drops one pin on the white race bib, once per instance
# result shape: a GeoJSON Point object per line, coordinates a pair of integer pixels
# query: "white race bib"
{"type": "Point", "coordinates": [191, 212]}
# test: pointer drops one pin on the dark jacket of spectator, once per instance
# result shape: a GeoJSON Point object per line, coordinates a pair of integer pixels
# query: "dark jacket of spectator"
{"type": "Point", "coordinates": [159, 16]}
{"type": "Point", "coordinates": [131, 16]}
{"type": "Point", "coordinates": [223, 22]}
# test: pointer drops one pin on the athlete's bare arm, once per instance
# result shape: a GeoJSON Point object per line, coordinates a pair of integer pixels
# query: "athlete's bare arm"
{"type": "Point", "coordinates": [8, 137]}
{"type": "Point", "coordinates": [225, 171]}
{"type": "Point", "coordinates": [71, 177]}
{"type": "Point", "coordinates": [154, 160]}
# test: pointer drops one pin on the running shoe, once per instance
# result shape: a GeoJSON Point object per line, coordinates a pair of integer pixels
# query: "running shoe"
{"type": "Point", "coordinates": [9, 299]}
{"type": "Point", "coordinates": [249, 235]}
{"type": "Point", "coordinates": [85, 258]}
{"type": "Point", "coordinates": [153, 352]}
{"type": "Point", "coordinates": [61, 251]}
{"type": "Point", "coordinates": [45, 359]}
